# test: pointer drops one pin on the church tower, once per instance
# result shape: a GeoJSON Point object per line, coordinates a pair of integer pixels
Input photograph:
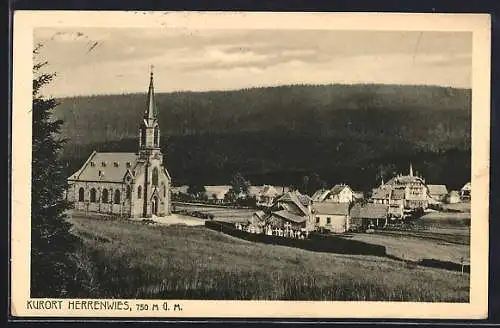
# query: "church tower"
{"type": "Point", "coordinates": [149, 133]}
{"type": "Point", "coordinates": [155, 184]}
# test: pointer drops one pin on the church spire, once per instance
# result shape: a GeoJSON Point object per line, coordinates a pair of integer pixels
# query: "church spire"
{"type": "Point", "coordinates": [411, 170]}
{"type": "Point", "coordinates": [149, 132]}
{"type": "Point", "coordinates": [151, 113]}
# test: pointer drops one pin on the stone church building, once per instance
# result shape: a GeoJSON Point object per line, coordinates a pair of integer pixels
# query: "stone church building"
{"type": "Point", "coordinates": [126, 184]}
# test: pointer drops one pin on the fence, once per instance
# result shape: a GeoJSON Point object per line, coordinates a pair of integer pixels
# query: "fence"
{"type": "Point", "coordinates": [316, 242]}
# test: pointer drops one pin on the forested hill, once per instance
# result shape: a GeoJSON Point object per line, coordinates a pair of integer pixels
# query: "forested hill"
{"type": "Point", "coordinates": [281, 133]}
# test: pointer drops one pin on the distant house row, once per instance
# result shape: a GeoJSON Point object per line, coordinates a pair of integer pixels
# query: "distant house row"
{"type": "Point", "coordinates": [265, 195]}
{"type": "Point", "coordinates": [295, 215]}
{"type": "Point", "coordinates": [339, 210]}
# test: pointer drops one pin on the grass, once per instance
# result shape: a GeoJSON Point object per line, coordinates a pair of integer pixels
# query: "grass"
{"type": "Point", "coordinates": [131, 260]}
{"type": "Point", "coordinates": [416, 248]}
{"type": "Point", "coordinates": [220, 214]}
{"type": "Point", "coordinates": [446, 220]}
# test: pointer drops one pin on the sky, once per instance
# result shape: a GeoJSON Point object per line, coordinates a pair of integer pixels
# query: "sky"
{"type": "Point", "coordinates": [91, 61]}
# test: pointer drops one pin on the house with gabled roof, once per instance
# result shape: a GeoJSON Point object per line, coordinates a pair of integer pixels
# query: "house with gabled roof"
{"type": "Point", "coordinates": [340, 193]}
{"type": "Point", "coordinates": [126, 184]}
{"type": "Point", "coordinates": [407, 190]}
{"type": "Point", "coordinates": [466, 191]}
{"type": "Point", "coordinates": [437, 192]}
{"type": "Point", "coordinates": [331, 216]}
{"type": "Point", "coordinates": [289, 216]}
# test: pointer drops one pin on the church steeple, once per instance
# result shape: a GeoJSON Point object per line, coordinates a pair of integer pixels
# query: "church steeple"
{"type": "Point", "coordinates": [151, 114]}
{"type": "Point", "coordinates": [411, 170]}
{"type": "Point", "coordinates": [149, 133]}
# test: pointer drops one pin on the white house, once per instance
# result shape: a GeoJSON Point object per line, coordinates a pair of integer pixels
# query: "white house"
{"type": "Point", "coordinates": [331, 216]}
{"type": "Point", "coordinates": [465, 192]}
{"type": "Point", "coordinates": [340, 193]}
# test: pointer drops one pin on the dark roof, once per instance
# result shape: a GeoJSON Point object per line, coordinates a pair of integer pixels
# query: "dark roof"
{"type": "Point", "coordinates": [404, 179]}
{"type": "Point", "coordinates": [301, 201]}
{"type": "Point", "coordinates": [338, 188]}
{"type": "Point", "coordinates": [437, 189]}
{"type": "Point", "coordinates": [369, 211]}
{"type": "Point", "coordinates": [290, 216]}
{"type": "Point", "coordinates": [112, 166]}
{"type": "Point", "coordinates": [319, 195]}
{"type": "Point", "coordinates": [331, 208]}
{"type": "Point", "coordinates": [260, 214]}
{"type": "Point", "coordinates": [304, 199]}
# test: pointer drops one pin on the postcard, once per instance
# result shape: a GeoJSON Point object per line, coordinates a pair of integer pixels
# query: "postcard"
{"type": "Point", "coordinates": [250, 165]}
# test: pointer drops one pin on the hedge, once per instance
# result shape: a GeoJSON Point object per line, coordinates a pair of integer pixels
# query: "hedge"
{"type": "Point", "coordinates": [316, 242]}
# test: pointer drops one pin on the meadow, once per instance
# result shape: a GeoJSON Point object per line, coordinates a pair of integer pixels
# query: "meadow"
{"type": "Point", "coordinates": [126, 259]}
{"type": "Point", "coordinates": [220, 213]}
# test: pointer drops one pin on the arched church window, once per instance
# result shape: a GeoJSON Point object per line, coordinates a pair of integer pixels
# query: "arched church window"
{"type": "Point", "coordinates": [117, 196]}
{"type": "Point", "coordinates": [139, 192]}
{"type": "Point", "coordinates": [155, 177]}
{"type": "Point", "coordinates": [92, 195]}
{"type": "Point", "coordinates": [81, 195]}
{"type": "Point", "coordinates": [157, 137]}
{"type": "Point", "coordinates": [164, 191]}
{"type": "Point", "coordinates": [105, 196]}
{"type": "Point", "coordinates": [128, 192]}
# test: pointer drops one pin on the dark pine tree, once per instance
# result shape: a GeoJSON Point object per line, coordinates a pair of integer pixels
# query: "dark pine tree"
{"type": "Point", "coordinates": [54, 272]}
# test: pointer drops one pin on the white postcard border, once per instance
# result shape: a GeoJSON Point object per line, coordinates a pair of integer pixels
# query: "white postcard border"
{"type": "Point", "coordinates": [478, 24]}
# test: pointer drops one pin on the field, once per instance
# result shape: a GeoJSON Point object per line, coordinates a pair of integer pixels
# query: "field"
{"type": "Point", "coordinates": [413, 248]}
{"type": "Point", "coordinates": [129, 259]}
{"type": "Point", "coordinates": [220, 214]}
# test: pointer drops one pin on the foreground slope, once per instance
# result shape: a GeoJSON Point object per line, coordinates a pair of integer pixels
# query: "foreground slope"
{"type": "Point", "coordinates": [132, 260]}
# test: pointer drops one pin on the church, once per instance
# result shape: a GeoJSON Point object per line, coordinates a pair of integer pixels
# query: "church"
{"type": "Point", "coordinates": [129, 185]}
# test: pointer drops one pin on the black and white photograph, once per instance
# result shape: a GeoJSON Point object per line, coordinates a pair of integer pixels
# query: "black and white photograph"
{"type": "Point", "coordinates": [225, 162]}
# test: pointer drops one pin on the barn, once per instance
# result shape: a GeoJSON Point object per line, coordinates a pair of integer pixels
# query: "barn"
{"type": "Point", "coordinates": [368, 215]}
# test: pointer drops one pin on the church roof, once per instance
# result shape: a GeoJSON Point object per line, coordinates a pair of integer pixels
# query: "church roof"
{"type": "Point", "coordinates": [108, 167]}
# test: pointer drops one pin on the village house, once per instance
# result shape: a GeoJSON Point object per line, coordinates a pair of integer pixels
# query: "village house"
{"type": "Point", "coordinates": [217, 193]}
{"type": "Point", "coordinates": [126, 184]}
{"type": "Point", "coordinates": [289, 216]}
{"type": "Point", "coordinates": [267, 195]}
{"type": "Point", "coordinates": [340, 193]}
{"type": "Point", "coordinates": [409, 190]}
{"type": "Point", "coordinates": [437, 192]}
{"type": "Point", "coordinates": [370, 215]}
{"type": "Point", "coordinates": [465, 192]}
{"type": "Point", "coordinates": [331, 216]}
